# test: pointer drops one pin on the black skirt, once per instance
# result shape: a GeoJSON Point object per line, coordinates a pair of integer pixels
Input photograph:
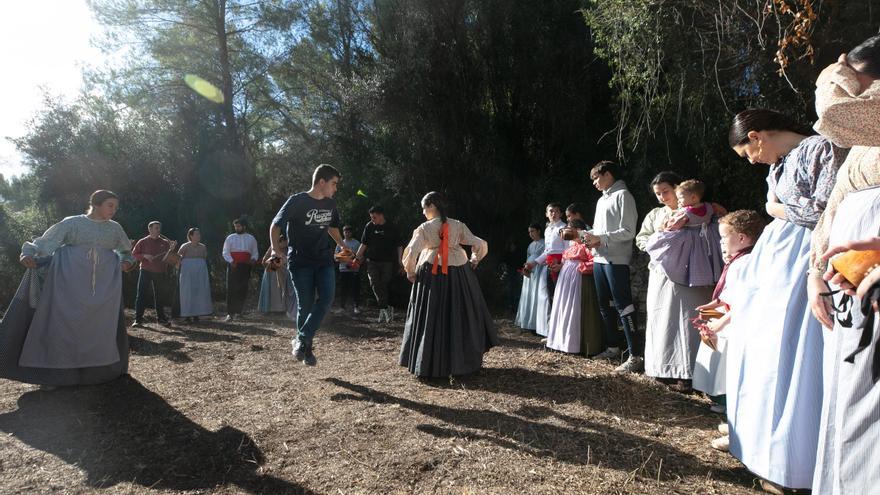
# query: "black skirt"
{"type": "Point", "coordinates": [448, 325]}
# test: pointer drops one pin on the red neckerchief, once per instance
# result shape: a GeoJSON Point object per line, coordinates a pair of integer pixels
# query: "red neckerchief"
{"type": "Point", "coordinates": [443, 252]}
{"type": "Point", "coordinates": [721, 280]}
{"type": "Point", "coordinates": [697, 210]}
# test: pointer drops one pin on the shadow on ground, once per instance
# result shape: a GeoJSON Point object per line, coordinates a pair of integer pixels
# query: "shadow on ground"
{"type": "Point", "coordinates": [123, 432]}
{"type": "Point", "coordinates": [568, 439]}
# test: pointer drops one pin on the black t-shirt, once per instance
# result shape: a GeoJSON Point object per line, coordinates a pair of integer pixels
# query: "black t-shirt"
{"type": "Point", "coordinates": [381, 241]}
{"type": "Point", "coordinates": [306, 220]}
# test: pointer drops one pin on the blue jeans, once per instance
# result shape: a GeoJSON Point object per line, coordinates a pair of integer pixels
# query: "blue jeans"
{"type": "Point", "coordinates": [612, 283]}
{"type": "Point", "coordinates": [308, 282]}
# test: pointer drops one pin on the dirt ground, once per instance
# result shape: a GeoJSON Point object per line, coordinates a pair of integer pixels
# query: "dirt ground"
{"type": "Point", "coordinates": [223, 408]}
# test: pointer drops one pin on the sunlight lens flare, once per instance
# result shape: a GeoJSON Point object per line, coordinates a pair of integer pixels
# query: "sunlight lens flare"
{"type": "Point", "coordinates": [203, 88]}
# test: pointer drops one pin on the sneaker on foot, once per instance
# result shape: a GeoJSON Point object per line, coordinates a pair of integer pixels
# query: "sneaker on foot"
{"type": "Point", "coordinates": [721, 443]}
{"type": "Point", "coordinates": [228, 318]}
{"type": "Point", "coordinates": [723, 429]}
{"type": "Point", "coordinates": [608, 354]}
{"type": "Point", "coordinates": [137, 324]}
{"type": "Point", "coordinates": [634, 364]}
{"type": "Point", "coordinates": [356, 310]}
{"type": "Point", "coordinates": [718, 408]}
{"type": "Point", "coordinates": [771, 487]}
{"type": "Point", "coordinates": [681, 386]}
{"type": "Point", "coordinates": [299, 350]}
{"type": "Point", "coordinates": [310, 359]}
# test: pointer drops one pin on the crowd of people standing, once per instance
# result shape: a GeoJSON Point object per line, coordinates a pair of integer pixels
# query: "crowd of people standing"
{"type": "Point", "coordinates": [735, 309]}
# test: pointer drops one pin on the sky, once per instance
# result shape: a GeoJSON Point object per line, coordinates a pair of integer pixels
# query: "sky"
{"type": "Point", "coordinates": [43, 46]}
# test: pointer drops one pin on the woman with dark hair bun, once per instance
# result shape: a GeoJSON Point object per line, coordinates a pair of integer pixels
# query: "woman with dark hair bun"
{"type": "Point", "coordinates": [848, 106]}
{"type": "Point", "coordinates": [448, 325]}
{"type": "Point", "coordinates": [671, 343]}
{"type": "Point", "coordinates": [527, 312]}
{"type": "Point", "coordinates": [774, 375]}
{"type": "Point", "coordinates": [65, 324]}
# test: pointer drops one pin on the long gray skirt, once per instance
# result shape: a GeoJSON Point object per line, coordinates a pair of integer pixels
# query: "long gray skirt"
{"type": "Point", "coordinates": [448, 325]}
{"type": "Point", "coordinates": [275, 289]}
{"type": "Point", "coordinates": [671, 343]}
{"type": "Point", "coordinates": [849, 431]}
{"type": "Point", "coordinates": [195, 288]}
{"type": "Point", "coordinates": [76, 333]}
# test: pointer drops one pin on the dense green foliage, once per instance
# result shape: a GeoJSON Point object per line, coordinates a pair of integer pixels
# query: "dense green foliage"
{"type": "Point", "coordinates": [503, 105]}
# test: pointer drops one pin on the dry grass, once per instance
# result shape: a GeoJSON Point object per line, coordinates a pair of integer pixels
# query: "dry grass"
{"type": "Point", "coordinates": [223, 408]}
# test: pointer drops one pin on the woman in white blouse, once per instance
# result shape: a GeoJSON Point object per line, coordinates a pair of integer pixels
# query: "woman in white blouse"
{"type": "Point", "coordinates": [448, 325]}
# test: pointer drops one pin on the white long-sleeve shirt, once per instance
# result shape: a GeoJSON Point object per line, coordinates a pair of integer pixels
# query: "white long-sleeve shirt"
{"type": "Point", "coordinates": [553, 242]}
{"type": "Point", "coordinates": [235, 243]}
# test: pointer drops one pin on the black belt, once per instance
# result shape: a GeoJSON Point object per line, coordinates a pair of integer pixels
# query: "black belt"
{"type": "Point", "coordinates": [867, 337]}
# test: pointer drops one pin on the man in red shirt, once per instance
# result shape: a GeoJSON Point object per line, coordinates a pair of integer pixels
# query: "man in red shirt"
{"type": "Point", "coordinates": [149, 251]}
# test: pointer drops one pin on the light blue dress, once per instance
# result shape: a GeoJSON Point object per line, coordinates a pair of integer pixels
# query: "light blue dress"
{"type": "Point", "coordinates": [690, 256]}
{"type": "Point", "coordinates": [849, 431]}
{"type": "Point", "coordinates": [774, 360]}
{"type": "Point", "coordinates": [70, 331]}
{"type": "Point", "coordinates": [527, 313]}
{"type": "Point", "coordinates": [195, 285]}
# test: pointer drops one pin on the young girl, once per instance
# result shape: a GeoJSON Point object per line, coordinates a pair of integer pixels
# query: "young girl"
{"type": "Point", "coordinates": [688, 250]}
{"type": "Point", "coordinates": [276, 286]}
{"type": "Point", "coordinates": [350, 272]}
{"type": "Point", "coordinates": [527, 313]}
{"type": "Point", "coordinates": [739, 232]}
{"type": "Point", "coordinates": [551, 257]}
{"type": "Point", "coordinates": [566, 316]}
{"type": "Point", "coordinates": [195, 287]}
{"type": "Point", "coordinates": [448, 325]}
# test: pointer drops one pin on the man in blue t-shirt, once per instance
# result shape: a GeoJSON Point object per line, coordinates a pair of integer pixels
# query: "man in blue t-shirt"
{"type": "Point", "coordinates": [311, 222]}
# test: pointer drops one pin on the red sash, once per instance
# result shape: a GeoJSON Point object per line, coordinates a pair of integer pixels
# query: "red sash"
{"type": "Point", "coordinates": [443, 252]}
{"type": "Point", "coordinates": [240, 256]}
{"type": "Point", "coordinates": [553, 258]}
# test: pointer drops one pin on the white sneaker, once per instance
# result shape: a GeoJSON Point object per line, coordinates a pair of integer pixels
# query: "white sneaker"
{"type": "Point", "coordinates": [723, 429]}
{"type": "Point", "coordinates": [228, 318]}
{"type": "Point", "coordinates": [608, 354]}
{"type": "Point", "coordinates": [634, 364]}
{"type": "Point", "coordinates": [721, 443]}
{"type": "Point", "coordinates": [356, 310]}
{"type": "Point", "coordinates": [718, 408]}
